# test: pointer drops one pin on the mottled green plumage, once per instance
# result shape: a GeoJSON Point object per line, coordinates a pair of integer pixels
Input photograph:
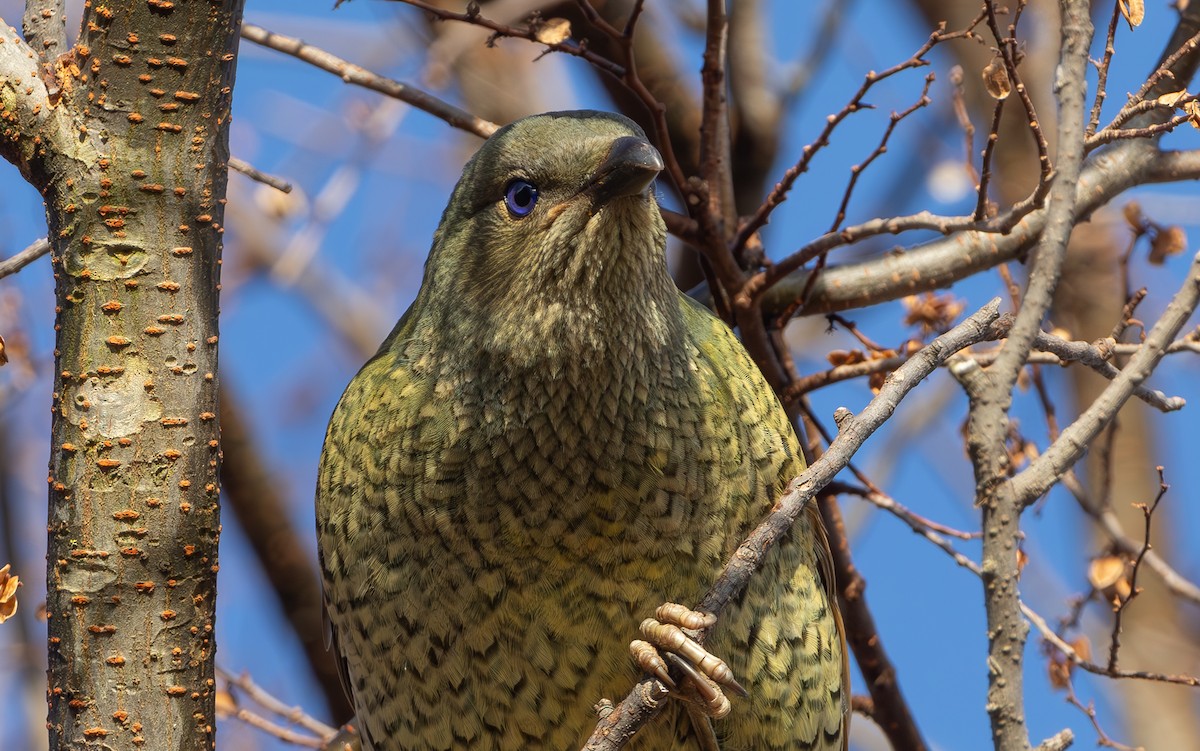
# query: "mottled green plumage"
{"type": "Point", "coordinates": [552, 442]}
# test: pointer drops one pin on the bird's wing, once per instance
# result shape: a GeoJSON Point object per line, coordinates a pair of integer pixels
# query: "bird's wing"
{"type": "Point", "coordinates": [356, 426]}
{"type": "Point", "coordinates": [754, 402]}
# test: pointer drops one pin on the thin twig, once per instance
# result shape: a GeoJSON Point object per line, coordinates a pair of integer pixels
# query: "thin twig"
{"type": "Point", "coordinates": [272, 728]}
{"type": "Point", "coordinates": [250, 171]}
{"type": "Point", "coordinates": [780, 192]}
{"type": "Point", "coordinates": [1007, 47]}
{"type": "Point", "coordinates": [15, 263]}
{"type": "Point", "coordinates": [359, 76]}
{"type": "Point", "coordinates": [964, 121]}
{"type": "Point", "coordinates": [857, 169]}
{"type": "Point", "coordinates": [1069, 652]}
{"type": "Point", "coordinates": [1063, 453]}
{"type": "Point", "coordinates": [918, 523]}
{"type": "Point", "coordinates": [1102, 68]}
{"type": "Point", "coordinates": [1089, 711]}
{"type": "Point", "coordinates": [294, 715]}
{"type": "Point", "coordinates": [939, 263]}
{"type": "Point", "coordinates": [1165, 71]}
{"type": "Point", "coordinates": [529, 33]}
{"type": "Point", "coordinates": [1176, 583]}
{"type": "Point", "coordinates": [985, 168]}
{"type": "Point", "coordinates": [1134, 590]}
{"type": "Point", "coordinates": [631, 78]}
{"type": "Point", "coordinates": [640, 704]}
{"type": "Point", "coordinates": [1108, 135]}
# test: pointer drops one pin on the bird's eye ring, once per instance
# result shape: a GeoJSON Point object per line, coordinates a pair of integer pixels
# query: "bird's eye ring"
{"type": "Point", "coordinates": [520, 197]}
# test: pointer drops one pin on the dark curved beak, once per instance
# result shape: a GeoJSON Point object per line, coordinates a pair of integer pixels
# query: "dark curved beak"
{"type": "Point", "coordinates": [628, 170]}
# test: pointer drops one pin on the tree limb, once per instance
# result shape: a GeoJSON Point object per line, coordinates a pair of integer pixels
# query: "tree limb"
{"type": "Point", "coordinates": [647, 695]}
{"type": "Point", "coordinates": [351, 73]}
{"type": "Point", "coordinates": [45, 28]}
{"type": "Point", "coordinates": [32, 125]}
{"type": "Point", "coordinates": [1045, 471]}
{"type": "Point", "coordinates": [990, 394]}
{"type": "Point", "coordinates": [18, 261]}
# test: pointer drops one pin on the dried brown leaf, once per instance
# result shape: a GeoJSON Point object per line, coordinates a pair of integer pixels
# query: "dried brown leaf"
{"type": "Point", "coordinates": [1133, 11]}
{"type": "Point", "coordinates": [1108, 575]}
{"type": "Point", "coordinates": [1172, 99]}
{"type": "Point", "coordinates": [553, 31]}
{"type": "Point", "coordinates": [934, 313]}
{"type": "Point", "coordinates": [995, 79]}
{"type": "Point", "coordinates": [1192, 109]}
{"type": "Point", "coordinates": [882, 354]}
{"type": "Point", "coordinates": [1167, 242]}
{"type": "Point", "coordinates": [3, 355]}
{"type": "Point", "coordinates": [1060, 674]}
{"type": "Point", "coordinates": [839, 357]}
{"type": "Point", "coordinates": [8, 593]}
{"type": "Point", "coordinates": [1083, 648]}
{"type": "Point", "coordinates": [226, 704]}
{"type": "Point", "coordinates": [1105, 571]}
{"type": "Point", "coordinates": [1135, 218]}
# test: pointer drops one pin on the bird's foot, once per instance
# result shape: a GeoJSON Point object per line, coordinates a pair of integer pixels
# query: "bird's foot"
{"type": "Point", "coordinates": [666, 642]}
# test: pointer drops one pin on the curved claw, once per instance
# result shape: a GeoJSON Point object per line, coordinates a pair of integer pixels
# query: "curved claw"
{"type": "Point", "coordinates": [648, 658]}
{"type": "Point", "coordinates": [715, 703]}
{"type": "Point", "coordinates": [671, 637]}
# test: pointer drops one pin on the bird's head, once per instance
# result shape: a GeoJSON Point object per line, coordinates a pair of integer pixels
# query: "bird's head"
{"type": "Point", "coordinates": [554, 224]}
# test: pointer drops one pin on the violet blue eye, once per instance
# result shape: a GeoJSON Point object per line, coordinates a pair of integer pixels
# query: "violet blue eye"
{"type": "Point", "coordinates": [520, 197]}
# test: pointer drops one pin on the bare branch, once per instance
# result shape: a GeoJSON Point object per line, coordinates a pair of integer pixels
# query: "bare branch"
{"type": "Point", "coordinates": [857, 170]}
{"type": "Point", "coordinates": [1096, 357]}
{"type": "Point", "coordinates": [1044, 471]}
{"type": "Point", "coordinates": [631, 79]}
{"type": "Point", "coordinates": [985, 168]}
{"type": "Point", "coordinates": [31, 124]}
{"type": "Point", "coordinates": [528, 33]}
{"type": "Point", "coordinates": [990, 392]}
{"type": "Point", "coordinates": [646, 697]}
{"type": "Point", "coordinates": [715, 167]}
{"type": "Point", "coordinates": [15, 263]}
{"type": "Point", "coordinates": [1101, 83]}
{"type": "Point", "coordinates": [351, 73]}
{"type": "Point", "coordinates": [940, 263]}
{"type": "Point", "coordinates": [1007, 47]}
{"type": "Point", "coordinates": [45, 27]}
{"type": "Point", "coordinates": [249, 170]}
{"type": "Point", "coordinates": [269, 702]}
{"type": "Point", "coordinates": [1052, 350]}
{"type": "Point", "coordinates": [1069, 652]}
{"type": "Point", "coordinates": [1108, 135]}
{"type": "Point", "coordinates": [780, 192]}
{"type": "Point", "coordinates": [1174, 70]}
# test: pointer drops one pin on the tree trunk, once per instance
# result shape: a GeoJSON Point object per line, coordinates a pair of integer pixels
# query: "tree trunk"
{"type": "Point", "coordinates": [126, 136]}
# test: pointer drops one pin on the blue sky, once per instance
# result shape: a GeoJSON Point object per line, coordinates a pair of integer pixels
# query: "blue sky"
{"type": "Point", "coordinates": [288, 366]}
